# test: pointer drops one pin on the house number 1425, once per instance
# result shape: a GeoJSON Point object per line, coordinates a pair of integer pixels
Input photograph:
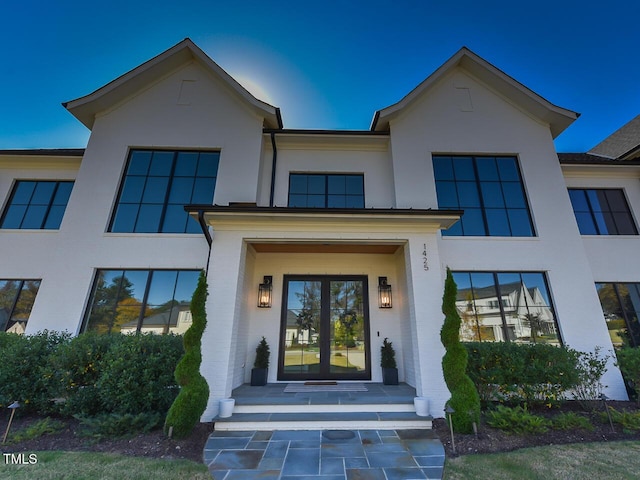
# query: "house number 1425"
{"type": "Point", "coordinates": [425, 262]}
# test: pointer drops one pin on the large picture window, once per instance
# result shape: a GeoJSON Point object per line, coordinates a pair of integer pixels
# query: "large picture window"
{"type": "Point", "coordinates": [16, 301]}
{"type": "Point", "coordinates": [489, 190]}
{"type": "Point", "coordinates": [132, 301]}
{"type": "Point", "coordinates": [602, 212]}
{"type": "Point", "coordinates": [156, 187]}
{"type": "Point", "coordinates": [37, 204]}
{"type": "Point", "coordinates": [317, 190]}
{"type": "Point", "coordinates": [621, 307]}
{"type": "Point", "coordinates": [505, 306]}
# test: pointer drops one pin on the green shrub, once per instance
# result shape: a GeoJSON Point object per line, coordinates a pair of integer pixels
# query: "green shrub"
{"type": "Point", "coordinates": [628, 360]}
{"type": "Point", "coordinates": [75, 368]}
{"type": "Point", "coordinates": [137, 373]}
{"type": "Point", "coordinates": [37, 429]}
{"type": "Point", "coordinates": [21, 378]}
{"type": "Point", "coordinates": [591, 366]}
{"type": "Point", "coordinates": [464, 397]}
{"type": "Point", "coordinates": [118, 425]}
{"type": "Point", "coordinates": [192, 400]}
{"type": "Point", "coordinates": [571, 421]}
{"type": "Point", "coordinates": [517, 420]}
{"type": "Point", "coordinates": [530, 374]}
{"type": "Point", "coordinates": [630, 421]}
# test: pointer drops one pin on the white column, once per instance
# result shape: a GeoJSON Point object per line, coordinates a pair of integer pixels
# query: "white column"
{"type": "Point", "coordinates": [219, 341]}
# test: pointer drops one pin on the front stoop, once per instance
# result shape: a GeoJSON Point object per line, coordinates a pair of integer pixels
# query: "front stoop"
{"type": "Point", "coordinates": [371, 411]}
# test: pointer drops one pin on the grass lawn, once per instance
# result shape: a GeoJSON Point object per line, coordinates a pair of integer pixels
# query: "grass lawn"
{"type": "Point", "coordinates": [102, 466]}
{"type": "Point", "coordinates": [588, 461]}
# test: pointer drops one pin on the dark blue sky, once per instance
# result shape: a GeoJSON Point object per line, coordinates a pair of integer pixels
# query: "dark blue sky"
{"type": "Point", "coordinates": [328, 64]}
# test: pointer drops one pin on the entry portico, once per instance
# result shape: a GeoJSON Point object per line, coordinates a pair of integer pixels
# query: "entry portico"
{"type": "Point", "coordinates": [331, 251]}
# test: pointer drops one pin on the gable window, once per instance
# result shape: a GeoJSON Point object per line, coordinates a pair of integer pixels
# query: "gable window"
{"type": "Point", "coordinates": [621, 307]}
{"type": "Point", "coordinates": [505, 306]}
{"type": "Point", "coordinates": [133, 301]}
{"type": "Point", "coordinates": [16, 301]}
{"type": "Point", "coordinates": [37, 204]}
{"type": "Point", "coordinates": [489, 190]}
{"type": "Point", "coordinates": [602, 211]}
{"type": "Point", "coordinates": [156, 187]}
{"type": "Point", "coordinates": [318, 190]}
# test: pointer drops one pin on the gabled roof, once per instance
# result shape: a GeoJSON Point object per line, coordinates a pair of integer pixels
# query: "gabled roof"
{"type": "Point", "coordinates": [623, 144]}
{"type": "Point", "coordinates": [558, 118]}
{"type": "Point", "coordinates": [85, 108]}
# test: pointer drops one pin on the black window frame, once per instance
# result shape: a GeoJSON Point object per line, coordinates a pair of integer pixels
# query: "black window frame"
{"type": "Point", "coordinates": [14, 304]}
{"type": "Point", "coordinates": [632, 333]}
{"type": "Point", "coordinates": [502, 305]}
{"type": "Point", "coordinates": [326, 193]}
{"type": "Point", "coordinates": [476, 178]}
{"type": "Point", "coordinates": [191, 226]}
{"type": "Point", "coordinates": [590, 214]}
{"type": "Point", "coordinates": [144, 304]}
{"type": "Point", "coordinates": [48, 206]}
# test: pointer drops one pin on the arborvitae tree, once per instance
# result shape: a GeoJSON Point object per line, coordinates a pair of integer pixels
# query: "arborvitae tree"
{"type": "Point", "coordinates": [192, 400]}
{"type": "Point", "coordinates": [464, 396]}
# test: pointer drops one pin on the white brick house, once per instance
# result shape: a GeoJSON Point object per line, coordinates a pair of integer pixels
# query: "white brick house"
{"type": "Point", "coordinates": [324, 214]}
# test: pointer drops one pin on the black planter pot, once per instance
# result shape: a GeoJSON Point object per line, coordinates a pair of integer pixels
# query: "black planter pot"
{"type": "Point", "coordinates": [258, 377]}
{"type": "Point", "coordinates": [390, 376]}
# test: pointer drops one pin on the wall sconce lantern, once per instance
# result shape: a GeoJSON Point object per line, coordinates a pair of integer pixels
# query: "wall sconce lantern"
{"type": "Point", "coordinates": [384, 293]}
{"type": "Point", "coordinates": [264, 292]}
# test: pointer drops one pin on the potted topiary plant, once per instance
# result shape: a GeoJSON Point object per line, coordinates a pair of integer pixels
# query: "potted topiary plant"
{"type": "Point", "coordinates": [388, 363]}
{"type": "Point", "coordinates": [261, 364]}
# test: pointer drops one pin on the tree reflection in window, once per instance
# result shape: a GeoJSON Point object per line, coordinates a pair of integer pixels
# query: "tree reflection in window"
{"type": "Point", "coordinates": [16, 301]}
{"type": "Point", "coordinates": [133, 301]}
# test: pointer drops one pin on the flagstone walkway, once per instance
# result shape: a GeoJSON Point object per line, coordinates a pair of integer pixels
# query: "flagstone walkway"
{"type": "Point", "coordinates": [325, 455]}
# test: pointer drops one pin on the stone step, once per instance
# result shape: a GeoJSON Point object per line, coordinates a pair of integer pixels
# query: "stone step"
{"type": "Point", "coordinates": [323, 408]}
{"type": "Point", "coordinates": [323, 421]}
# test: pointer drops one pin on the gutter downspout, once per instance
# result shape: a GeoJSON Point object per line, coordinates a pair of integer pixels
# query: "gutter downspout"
{"type": "Point", "coordinates": [273, 167]}
{"type": "Point", "coordinates": [207, 235]}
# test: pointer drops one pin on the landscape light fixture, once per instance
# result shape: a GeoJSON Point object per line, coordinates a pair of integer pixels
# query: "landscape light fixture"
{"type": "Point", "coordinates": [264, 292]}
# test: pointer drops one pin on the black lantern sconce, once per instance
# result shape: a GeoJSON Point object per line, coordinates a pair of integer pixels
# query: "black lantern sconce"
{"type": "Point", "coordinates": [264, 292]}
{"type": "Point", "coordinates": [384, 293]}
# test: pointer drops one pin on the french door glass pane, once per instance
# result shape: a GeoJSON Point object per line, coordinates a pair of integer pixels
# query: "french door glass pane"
{"type": "Point", "coordinates": [302, 335]}
{"type": "Point", "coordinates": [347, 330]}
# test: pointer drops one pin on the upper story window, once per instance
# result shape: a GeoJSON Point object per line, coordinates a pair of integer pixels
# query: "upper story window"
{"type": "Point", "coordinates": [156, 187]}
{"type": "Point", "coordinates": [16, 301]}
{"type": "Point", "coordinates": [602, 212]}
{"type": "Point", "coordinates": [489, 190]}
{"type": "Point", "coordinates": [319, 190]}
{"type": "Point", "coordinates": [37, 204]}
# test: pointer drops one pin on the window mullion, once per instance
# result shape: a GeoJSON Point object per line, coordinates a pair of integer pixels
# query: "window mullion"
{"type": "Point", "coordinates": [145, 297]}
{"type": "Point", "coordinates": [51, 200]}
{"type": "Point", "coordinates": [624, 314]}
{"type": "Point", "coordinates": [592, 212]}
{"type": "Point", "coordinates": [501, 308]}
{"type": "Point", "coordinates": [169, 186]}
{"type": "Point", "coordinates": [483, 209]}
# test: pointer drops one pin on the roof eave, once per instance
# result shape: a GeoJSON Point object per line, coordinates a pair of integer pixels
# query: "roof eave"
{"type": "Point", "coordinates": [557, 117]}
{"type": "Point", "coordinates": [85, 108]}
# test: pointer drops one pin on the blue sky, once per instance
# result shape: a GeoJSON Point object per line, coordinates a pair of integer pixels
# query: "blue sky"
{"type": "Point", "coordinates": [328, 64]}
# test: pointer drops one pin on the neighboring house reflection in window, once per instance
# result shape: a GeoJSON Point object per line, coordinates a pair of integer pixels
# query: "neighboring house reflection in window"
{"type": "Point", "coordinates": [132, 301]}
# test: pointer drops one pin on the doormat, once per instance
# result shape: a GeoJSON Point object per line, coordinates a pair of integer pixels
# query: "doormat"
{"type": "Point", "coordinates": [324, 387]}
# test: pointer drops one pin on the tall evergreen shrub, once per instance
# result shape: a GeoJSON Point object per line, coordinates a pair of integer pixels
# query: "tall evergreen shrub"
{"type": "Point", "coordinates": [464, 396]}
{"type": "Point", "coordinates": [191, 402]}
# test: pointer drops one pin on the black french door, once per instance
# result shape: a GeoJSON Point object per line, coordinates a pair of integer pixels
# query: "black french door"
{"type": "Point", "coordinates": [325, 328]}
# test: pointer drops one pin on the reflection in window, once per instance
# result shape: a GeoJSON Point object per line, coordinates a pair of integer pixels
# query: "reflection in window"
{"type": "Point", "coordinates": [489, 190]}
{"type": "Point", "coordinates": [621, 307]}
{"type": "Point", "coordinates": [133, 301]}
{"type": "Point", "coordinates": [315, 190]}
{"type": "Point", "coordinates": [157, 186]}
{"type": "Point", "coordinates": [37, 205]}
{"type": "Point", "coordinates": [16, 301]}
{"type": "Point", "coordinates": [498, 307]}
{"type": "Point", "coordinates": [602, 212]}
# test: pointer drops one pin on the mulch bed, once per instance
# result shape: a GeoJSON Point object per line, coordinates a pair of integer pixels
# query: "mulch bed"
{"type": "Point", "coordinates": [156, 445]}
